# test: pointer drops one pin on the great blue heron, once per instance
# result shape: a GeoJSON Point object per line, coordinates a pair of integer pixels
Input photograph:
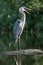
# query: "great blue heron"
{"type": "Point", "coordinates": [20, 23]}
{"type": "Point", "coordinates": [19, 26]}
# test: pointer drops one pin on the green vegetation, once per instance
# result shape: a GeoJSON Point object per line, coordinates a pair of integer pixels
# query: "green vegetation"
{"type": "Point", "coordinates": [33, 38]}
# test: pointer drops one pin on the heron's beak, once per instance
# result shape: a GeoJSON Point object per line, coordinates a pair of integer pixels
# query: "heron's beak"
{"type": "Point", "coordinates": [27, 10]}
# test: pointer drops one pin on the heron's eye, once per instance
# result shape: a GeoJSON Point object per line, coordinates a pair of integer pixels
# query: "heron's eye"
{"type": "Point", "coordinates": [18, 21]}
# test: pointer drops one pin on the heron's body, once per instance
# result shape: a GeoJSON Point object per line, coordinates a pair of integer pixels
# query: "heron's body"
{"type": "Point", "coordinates": [19, 26]}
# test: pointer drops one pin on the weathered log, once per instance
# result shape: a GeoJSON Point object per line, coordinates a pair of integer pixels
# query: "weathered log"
{"type": "Point", "coordinates": [24, 52]}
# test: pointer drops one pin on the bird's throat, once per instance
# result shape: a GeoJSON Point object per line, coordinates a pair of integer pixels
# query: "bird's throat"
{"type": "Point", "coordinates": [23, 18]}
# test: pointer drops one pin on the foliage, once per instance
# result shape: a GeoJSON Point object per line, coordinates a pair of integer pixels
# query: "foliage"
{"type": "Point", "coordinates": [32, 36]}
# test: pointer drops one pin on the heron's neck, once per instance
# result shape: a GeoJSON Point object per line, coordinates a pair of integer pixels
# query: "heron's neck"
{"type": "Point", "coordinates": [23, 17]}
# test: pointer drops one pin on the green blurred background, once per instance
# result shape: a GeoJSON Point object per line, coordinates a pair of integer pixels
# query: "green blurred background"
{"type": "Point", "coordinates": [32, 37]}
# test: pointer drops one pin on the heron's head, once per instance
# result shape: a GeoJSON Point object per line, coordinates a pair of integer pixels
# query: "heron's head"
{"type": "Point", "coordinates": [24, 9]}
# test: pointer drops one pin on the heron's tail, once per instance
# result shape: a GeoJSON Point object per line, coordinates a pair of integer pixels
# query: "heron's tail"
{"type": "Point", "coordinates": [15, 40]}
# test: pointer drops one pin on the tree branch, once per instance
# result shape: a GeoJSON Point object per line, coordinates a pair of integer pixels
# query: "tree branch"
{"type": "Point", "coordinates": [25, 52]}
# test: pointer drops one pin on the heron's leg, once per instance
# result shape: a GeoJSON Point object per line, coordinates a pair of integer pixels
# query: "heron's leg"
{"type": "Point", "coordinates": [17, 62]}
{"type": "Point", "coordinates": [19, 50]}
{"type": "Point", "coordinates": [18, 57]}
{"type": "Point", "coordinates": [19, 45]}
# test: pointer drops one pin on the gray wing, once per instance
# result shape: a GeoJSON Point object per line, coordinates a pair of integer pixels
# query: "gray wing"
{"type": "Point", "coordinates": [17, 30]}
